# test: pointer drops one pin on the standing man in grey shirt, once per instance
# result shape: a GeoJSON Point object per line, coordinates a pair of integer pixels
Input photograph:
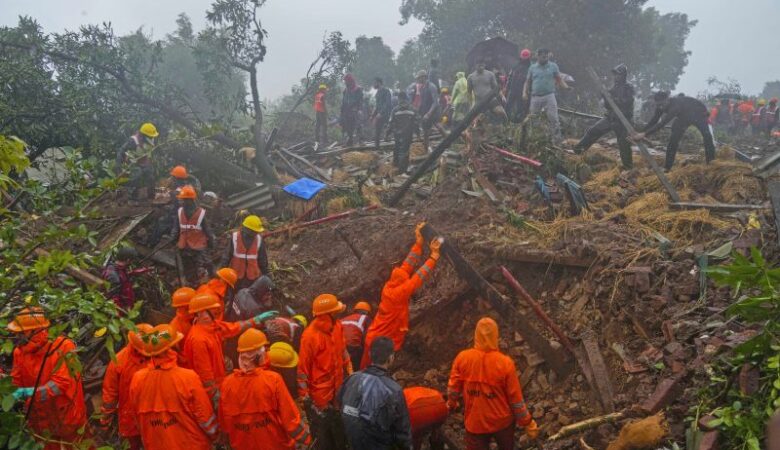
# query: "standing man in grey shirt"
{"type": "Point", "coordinates": [482, 83]}
{"type": "Point", "coordinates": [543, 77]}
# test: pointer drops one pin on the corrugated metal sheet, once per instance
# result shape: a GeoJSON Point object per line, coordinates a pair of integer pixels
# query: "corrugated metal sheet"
{"type": "Point", "coordinates": [258, 198]}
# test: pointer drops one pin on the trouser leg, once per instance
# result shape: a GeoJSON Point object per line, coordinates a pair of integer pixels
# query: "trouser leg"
{"type": "Point", "coordinates": [331, 435]}
{"type": "Point", "coordinates": [626, 154]}
{"type": "Point", "coordinates": [709, 142]}
{"type": "Point", "coordinates": [477, 441]}
{"type": "Point", "coordinates": [593, 134]}
{"type": "Point", "coordinates": [355, 355]}
{"type": "Point", "coordinates": [402, 148]}
{"type": "Point", "coordinates": [678, 130]}
{"type": "Point", "coordinates": [552, 117]}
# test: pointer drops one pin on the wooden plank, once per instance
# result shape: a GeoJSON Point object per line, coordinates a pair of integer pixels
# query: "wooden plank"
{"type": "Point", "coordinates": [538, 343]}
{"type": "Point", "coordinates": [642, 147]}
{"type": "Point", "coordinates": [119, 232]}
{"type": "Point", "coordinates": [716, 207]}
{"type": "Point", "coordinates": [774, 196]}
{"type": "Point", "coordinates": [600, 372]}
{"type": "Point", "coordinates": [491, 191]}
{"type": "Point", "coordinates": [320, 172]}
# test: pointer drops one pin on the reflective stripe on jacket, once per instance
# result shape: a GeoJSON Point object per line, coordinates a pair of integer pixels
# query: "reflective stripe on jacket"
{"type": "Point", "coordinates": [354, 326]}
{"type": "Point", "coordinates": [244, 260]}
{"type": "Point", "coordinates": [191, 234]}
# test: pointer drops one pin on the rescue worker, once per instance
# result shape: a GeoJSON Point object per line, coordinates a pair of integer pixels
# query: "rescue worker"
{"type": "Point", "coordinates": [424, 96]}
{"type": "Point", "coordinates": [392, 319]}
{"type": "Point", "coordinates": [720, 116]}
{"type": "Point", "coordinates": [247, 253]}
{"type": "Point", "coordinates": [461, 99]}
{"type": "Point", "coordinates": [180, 178]}
{"type": "Point", "coordinates": [771, 116]}
{"type": "Point", "coordinates": [250, 301]}
{"type": "Point", "coordinates": [482, 83]}
{"type": "Point", "coordinates": [180, 301]}
{"type": "Point", "coordinates": [286, 329]}
{"type": "Point", "coordinates": [355, 326]}
{"type": "Point", "coordinates": [745, 110]}
{"type": "Point", "coordinates": [203, 347]}
{"type": "Point", "coordinates": [382, 110]}
{"type": "Point", "coordinates": [256, 411]}
{"type": "Point", "coordinates": [540, 84]}
{"type": "Point", "coordinates": [685, 112]}
{"type": "Point", "coordinates": [192, 233]}
{"type": "Point", "coordinates": [54, 397]}
{"type": "Point", "coordinates": [321, 115]}
{"type": "Point", "coordinates": [427, 413]}
{"type": "Point", "coordinates": [142, 170]}
{"type": "Point", "coordinates": [171, 408]}
{"type": "Point", "coordinates": [373, 406]}
{"type": "Point", "coordinates": [116, 386]}
{"type": "Point", "coordinates": [486, 381]}
{"type": "Point", "coordinates": [403, 123]}
{"type": "Point", "coordinates": [758, 119]}
{"type": "Point", "coordinates": [516, 107]}
{"type": "Point", "coordinates": [351, 105]}
{"type": "Point", "coordinates": [283, 359]}
{"type": "Point", "coordinates": [323, 361]}
{"type": "Point", "coordinates": [445, 101]}
{"type": "Point", "coordinates": [623, 95]}
{"type": "Point", "coordinates": [120, 277]}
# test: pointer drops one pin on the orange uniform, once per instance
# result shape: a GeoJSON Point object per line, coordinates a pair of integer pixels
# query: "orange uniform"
{"type": "Point", "coordinates": [58, 409]}
{"type": "Point", "coordinates": [245, 260]}
{"type": "Point", "coordinates": [322, 361]}
{"type": "Point", "coordinates": [191, 232]}
{"type": "Point", "coordinates": [392, 319]}
{"type": "Point", "coordinates": [487, 381]}
{"type": "Point", "coordinates": [182, 322]}
{"type": "Point", "coordinates": [116, 388]}
{"type": "Point", "coordinates": [203, 351]}
{"type": "Point", "coordinates": [172, 410]}
{"type": "Point", "coordinates": [256, 411]}
{"type": "Point", "coordinates": [218, 288]}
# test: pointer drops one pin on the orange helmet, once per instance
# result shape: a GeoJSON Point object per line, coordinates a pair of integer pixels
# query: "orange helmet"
{"type": "Point", "coordinates": [28, 319]}
{"type": "Point", "coordinates": [202, 302]}
{"type": "Point", "coordinates": [179, 172]}
{"type": "Point", "coordinates": [773, 100]}
{"type": "Point", "coordinates": [187, 192]}
{"type": "Point", "coordinates": [251, 339]}
{"type": "Point", "coordinates": [362, 306]}
{"type": "Point", "coordinates": [228, 275]}
{"type": "Point", "coordinates": [161, 338]}
{"type": "Point", "coordinates": [182, 297]}
{"type": "Point", "coordinates": [136, 339]}
{"type": "Point", "coordinates": [326, 304]}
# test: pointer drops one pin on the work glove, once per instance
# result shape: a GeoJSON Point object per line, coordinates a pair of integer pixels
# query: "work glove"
{"type": "Point", "coordinates": [268, 315]}
{"type": "Point", "coordinates": [418, 233]}
{"type": "Point", "coordinates": [532, 430]}
{"type": "Point", "coordinates": [452, 404]}
{"type": "Point", "coordinates": [23, 393]}
{"type": "Point", "coordinates": [435, 246]}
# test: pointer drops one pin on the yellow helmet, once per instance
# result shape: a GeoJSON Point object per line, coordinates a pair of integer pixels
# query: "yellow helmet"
{"type": "Point", "coordinates": [761, 102]}
{"type": "Point", "coordinates": [254, 223]}
{"type": "Point", "coordinates": [282, 355]}
{"type": "Point", "coordinates": [323, 86]}
{"type": "Point", "coordinates": [148, 129]}
{"type": "Point", "coordinates": [300, 318]}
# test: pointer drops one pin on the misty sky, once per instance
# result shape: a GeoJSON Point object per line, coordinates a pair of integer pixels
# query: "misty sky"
{"type": "Point", "coordinates": [296, 28]}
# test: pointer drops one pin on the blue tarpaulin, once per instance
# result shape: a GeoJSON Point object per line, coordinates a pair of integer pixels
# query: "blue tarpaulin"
{"type": "Point", "coordinates": [304, 188]}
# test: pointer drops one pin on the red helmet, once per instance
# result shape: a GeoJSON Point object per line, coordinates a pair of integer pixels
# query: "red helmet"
{"type": "Point", "coordinates": [525, 54]}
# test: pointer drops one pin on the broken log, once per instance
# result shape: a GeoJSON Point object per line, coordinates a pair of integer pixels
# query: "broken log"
{"type": "Point", "coordinates": [538, 343]}
{"type": "Point", "coordinates": [119, 232]}
{"type": "Point", "coordinates": [537, 309]}
{"type": "Point", "coordinates": [642, 147]}
{"type": "Point", "coordinates": [210, 163]}
{"type": "Point", "coordinates": [773, 188]}
{"type": "Point", "coordinates": [531, 162]}
{"type": "Point", "coordinates": [593, 422]}
{"type": "Point", "coordinates": [600, 373]}
{"type": "Point", "coordinates": [443, 145]}
{"type": "Point", "coordinates": [318, 221]}
{"type": "Point", "coordinates": [715, 207]}
{"type": "Point", "coordinates": [308, 164]}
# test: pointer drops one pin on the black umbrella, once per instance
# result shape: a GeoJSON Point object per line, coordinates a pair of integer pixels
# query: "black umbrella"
{"type": "Point", "coordinates": [496, 52]}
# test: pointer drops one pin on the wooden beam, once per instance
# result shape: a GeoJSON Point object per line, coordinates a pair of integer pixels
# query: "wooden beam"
{"type": "Point", "coordinates": [120, 231]}
{"type": "Point", "coordinates": [538, 343]}
{"type": "Point", "coordinates": [308, 163]}
{"type": "Point", "coordinates": [600, 372]}
{"type": "Point", "coordinates": [642, 147]}
{"type": "Point", "coordinates": [716, 207]}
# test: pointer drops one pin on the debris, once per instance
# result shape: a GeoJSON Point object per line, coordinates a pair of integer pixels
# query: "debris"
{"type": "Point", "coordinates": [600, 373]}
{"type": "Point", "coordinates": [645, 433]}
{"type": "Point", "coordinates": [119, 232]}
{"type": "Point", "coordinates": [308, 164]}
{"type": "Point", "coordinates": [709, 441]}
{"type": "Point", "coordinates": [258, 198]}
{"type": "Point", "coordinates": [664, 393]}
{"type": "Point", "coordinates": [577, 201]}
{"type": "Point", "coordinates": [749, 379]}
{"type": "Point", "coordinates": [584, 425]}
{"type": "Point", "coordinates": [318, 221]}
{"type": "Point", "coordinates": [515, 156]}
{"type": "Point", "coordinates": [715, 207]}
{"type": "Point", "coordinates": [773, 187]}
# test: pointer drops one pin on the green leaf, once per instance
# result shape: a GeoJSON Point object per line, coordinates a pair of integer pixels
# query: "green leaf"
{"type": "Point", "coordinates": [15, 441]}
{"type": "Point", "coordinates": [753, 443]}
{"type": "Point", "coordinates": [714, 423]}
{"type": "Point", "coordinates": [8, 402]}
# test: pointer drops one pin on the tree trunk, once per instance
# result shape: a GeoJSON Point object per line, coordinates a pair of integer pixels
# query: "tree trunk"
{"type": "Point", "coordinates": [261, 157]}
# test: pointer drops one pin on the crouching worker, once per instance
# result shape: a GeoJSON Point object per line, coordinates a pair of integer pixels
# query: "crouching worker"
{"type": "Point", "coordinates": [373, 406]}
{"type": "Point", "coordinates": [256, 410]}
{"type": "Point", "coordinates": [427, 413]}
{"type": "Point", "coordinates": [486, 380]}
{"type": "Point", "coordinates": [41, 375]}
{"type": "Point", "coordinates": [170, 406]}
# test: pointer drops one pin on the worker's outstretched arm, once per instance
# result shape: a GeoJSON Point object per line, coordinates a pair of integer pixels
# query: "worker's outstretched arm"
{"type": "Point", "coordinates": [110, 393]}
{"type": "Point", "coordinates": [653, 121]}
{"type": "Point", "coordinates": [415, 253]}
{"type": "Point", "coordinates": [422, 274]}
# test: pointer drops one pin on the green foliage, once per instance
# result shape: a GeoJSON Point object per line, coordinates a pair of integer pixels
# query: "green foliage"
{"type": "Point", "coordinates": [742, 418]}
{"type": "Point", "coordinates": [30, 278]}
{"type": "Point", "coordinates": [12, 159]}
{"type": "Point", "coordinates": [373, 59]}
